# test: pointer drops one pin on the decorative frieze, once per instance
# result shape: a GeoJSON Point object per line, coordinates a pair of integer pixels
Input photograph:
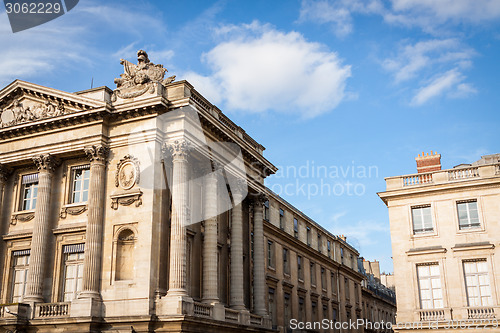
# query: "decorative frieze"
{"type": "Point", "coordinates": [17, 113]}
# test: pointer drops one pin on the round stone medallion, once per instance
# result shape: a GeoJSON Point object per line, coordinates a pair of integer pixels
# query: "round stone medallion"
{"type": "Point", "coordinates": [127, 175]}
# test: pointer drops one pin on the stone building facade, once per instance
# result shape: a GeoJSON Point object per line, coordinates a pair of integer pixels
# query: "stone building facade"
{"type": "Point", "coordinates": [445, 243]}
{"type": "Point", "coordinates": [143, 209]}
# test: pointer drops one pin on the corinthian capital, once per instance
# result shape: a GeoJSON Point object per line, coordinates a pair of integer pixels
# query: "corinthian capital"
{"type": "Point", "coordinates": [259, 199]}
{"type": "Point", "coordinates": [4, 173]}
{"type": "Point", "coordinates": [46, 162]}
{"type": "Point", "coordinates": [179, 149]}
{"type": "Point", "coordinates": [97, 153]}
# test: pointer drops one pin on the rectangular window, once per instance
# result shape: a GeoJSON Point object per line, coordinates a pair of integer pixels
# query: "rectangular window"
{"type": "Point", "coordinates": [270, 254]}
{"type": "Point", "coordinates": [329, 248]}
{"type": "Point", "coordinates": [308, 236]}
{"type": "Point", "coordinates": [314, 308]}
{"type": "Point", "coordinates": [29, 191]}
{"type": "Point", "coordinates": [296, 228]}
{"type": "Point", "coordinates": [272, 308]}
{"type": "Point", "coordinates": [342, 255]}
{"type": "Point", "coordinates": [356, 296]}
{"type": "Point", "coordinates": [468, 217]}
{"type": "Point", "coordinates": [266, 210]}
{"type": "Point", "coordinates": [323, 278]}
{"type": "Point", "coordinates": [282, 219]}
{"type": "Point", "coordinates": [313, 274]}
{"type": "Point", "coordinates": [20, 264]}
{"type": "Point", "coordinates": [300, 268]}
{"type": "Point", "coordinates": [319, 243]}
{"type": "Point", "coordinates": [286, 262]}
{"type": "Point", "coordinates": [429, 284]}
{"type": "Point", "coordinates": [72, 271]}
{"type": "Point", "coordinates": [477, 283]}
{"type": "Point", "coordinates": [347, 291]}
{"type": "Point", "coordinates": [80, 181]}
{"type": "Point", "coordinates": [302, 314]}
{"type": "Point", "coordinates": [334, 283]}
{"type": "Point", "coordinates": [288, 309]}
{"type": "Point", "coordinates": [422, 219]}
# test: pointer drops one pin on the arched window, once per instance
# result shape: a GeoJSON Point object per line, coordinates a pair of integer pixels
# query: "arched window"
{"type": "Point", "coordinates": [125, 255]}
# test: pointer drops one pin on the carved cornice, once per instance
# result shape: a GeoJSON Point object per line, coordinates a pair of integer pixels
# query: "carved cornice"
{"type": "Point", "coordinates": [179, 149]}
{"type": "Point", "coordinates": [97, 153]}
{"type": "Point", "coordinates": [46, 162]}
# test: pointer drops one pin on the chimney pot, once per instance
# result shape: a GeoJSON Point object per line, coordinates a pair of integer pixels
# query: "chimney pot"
{"type": "Point", "coordinates": [428, 163]}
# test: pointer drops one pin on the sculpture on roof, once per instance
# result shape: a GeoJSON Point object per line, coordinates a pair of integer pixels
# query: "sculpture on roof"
{"type": "Point", "coordinates": [141, 78]}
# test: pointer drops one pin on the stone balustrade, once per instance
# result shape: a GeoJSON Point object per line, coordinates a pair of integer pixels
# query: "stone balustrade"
{"type": "Point", "coordinates": [431, 315]}
{"type": "Point", "coordinates": [52, 310]}
{"type": "Point", "coordinates": [481, 313]}
{"type": "Point", "coordinates": [443, 176]}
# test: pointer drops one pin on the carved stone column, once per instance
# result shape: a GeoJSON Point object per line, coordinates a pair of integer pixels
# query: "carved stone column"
{"type": "Point", "coordinates": [236, 264]}
{"type": "Point", "coordinates": [46, 165]}
{"type": "Point", "coordinates": [259, 277]}
{"type": "Point", "coordinates": [93, 242]}
{"type": "Point", "coordinates": [210, 250]}
{"type": "Point", "coordinates": [180, 218]}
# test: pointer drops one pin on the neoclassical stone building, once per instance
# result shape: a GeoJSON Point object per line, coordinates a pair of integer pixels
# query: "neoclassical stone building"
{"type": "Point", "coordinates": [445, 242]}
{"type": "Point", "coordinates": [144, 209]}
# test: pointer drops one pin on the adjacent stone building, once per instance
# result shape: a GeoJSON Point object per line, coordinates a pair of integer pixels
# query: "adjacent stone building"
{"type": "Point", "coordinates": [445, 230]}
{"type": "Point", "coordinates": [143, 209]}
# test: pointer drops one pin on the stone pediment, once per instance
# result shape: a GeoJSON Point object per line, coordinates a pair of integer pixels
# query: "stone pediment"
{"type": "Point", "coordinates": [24, 102]}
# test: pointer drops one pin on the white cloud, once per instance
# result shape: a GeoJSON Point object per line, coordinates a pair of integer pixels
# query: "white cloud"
{"type": "Point", "coordinates": [420, 61]}
{"type": "Point", "coordinates": [429, 15]}
{"type": "Point", "coordinates": [258, 68]}
{"type": "Point", "coordinates": [425, 12]}
{"type": "Point", "coordinates": [362, 233]}
{"type": "Point", "coordinates": [69, 41]}
{"type": "Point", "coordinates": [337, 14]}
{"type": "Point", "coordinates": [440, 84]}
{"type": "Point", "coordinates": [412, 59]}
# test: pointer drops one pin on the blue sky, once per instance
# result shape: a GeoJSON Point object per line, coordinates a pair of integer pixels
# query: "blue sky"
{"type": "Point", "coordinates": [324, 85]}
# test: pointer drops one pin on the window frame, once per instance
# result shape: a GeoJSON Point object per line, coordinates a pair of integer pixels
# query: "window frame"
{"type": "Point", "coordinates": [13, 270]}
{"type": "Point", "coordinates": [431, 289]}
{"type": "Point", "coordinates": [73, 170]}
{"type": "Point", "coordinates": [468, 227]}
{"type": "Point", "coordinates": [296, 227]}
{"type": "Point", "coordinates": [478, 286]}
{"type": "Point", "coordinates": [282, 219]}
{"type": "Point", "coordinates": [286, 261]}
{"type": "Point", "coordinates": [22, 188]}
{"type": "Point", "coordinates": [271, 256]}
{"type": "Point", "coordinates": [266, 211]}
{"type": "Point", "coordinates": [79, 262]}
{"type": "Point", "coordinates": [424, 231]}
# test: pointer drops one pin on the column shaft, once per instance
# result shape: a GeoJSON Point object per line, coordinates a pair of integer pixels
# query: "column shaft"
{"type": "Point", "coordinates": [210, 250]}
{"type": "Point", "coordinates": [41, 229]}
{"type": "Point", "coordinates": [236, 282]}
{"type": "Point", "coordinates": [180, 219]}
{"type": "Point", "coordinates": [259, 279]}
{"type": "Point", "coordinates": [93, 240]}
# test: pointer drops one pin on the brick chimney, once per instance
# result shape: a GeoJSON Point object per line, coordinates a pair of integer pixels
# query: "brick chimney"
{"type": "Point", "coordinates": [428, 163]}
